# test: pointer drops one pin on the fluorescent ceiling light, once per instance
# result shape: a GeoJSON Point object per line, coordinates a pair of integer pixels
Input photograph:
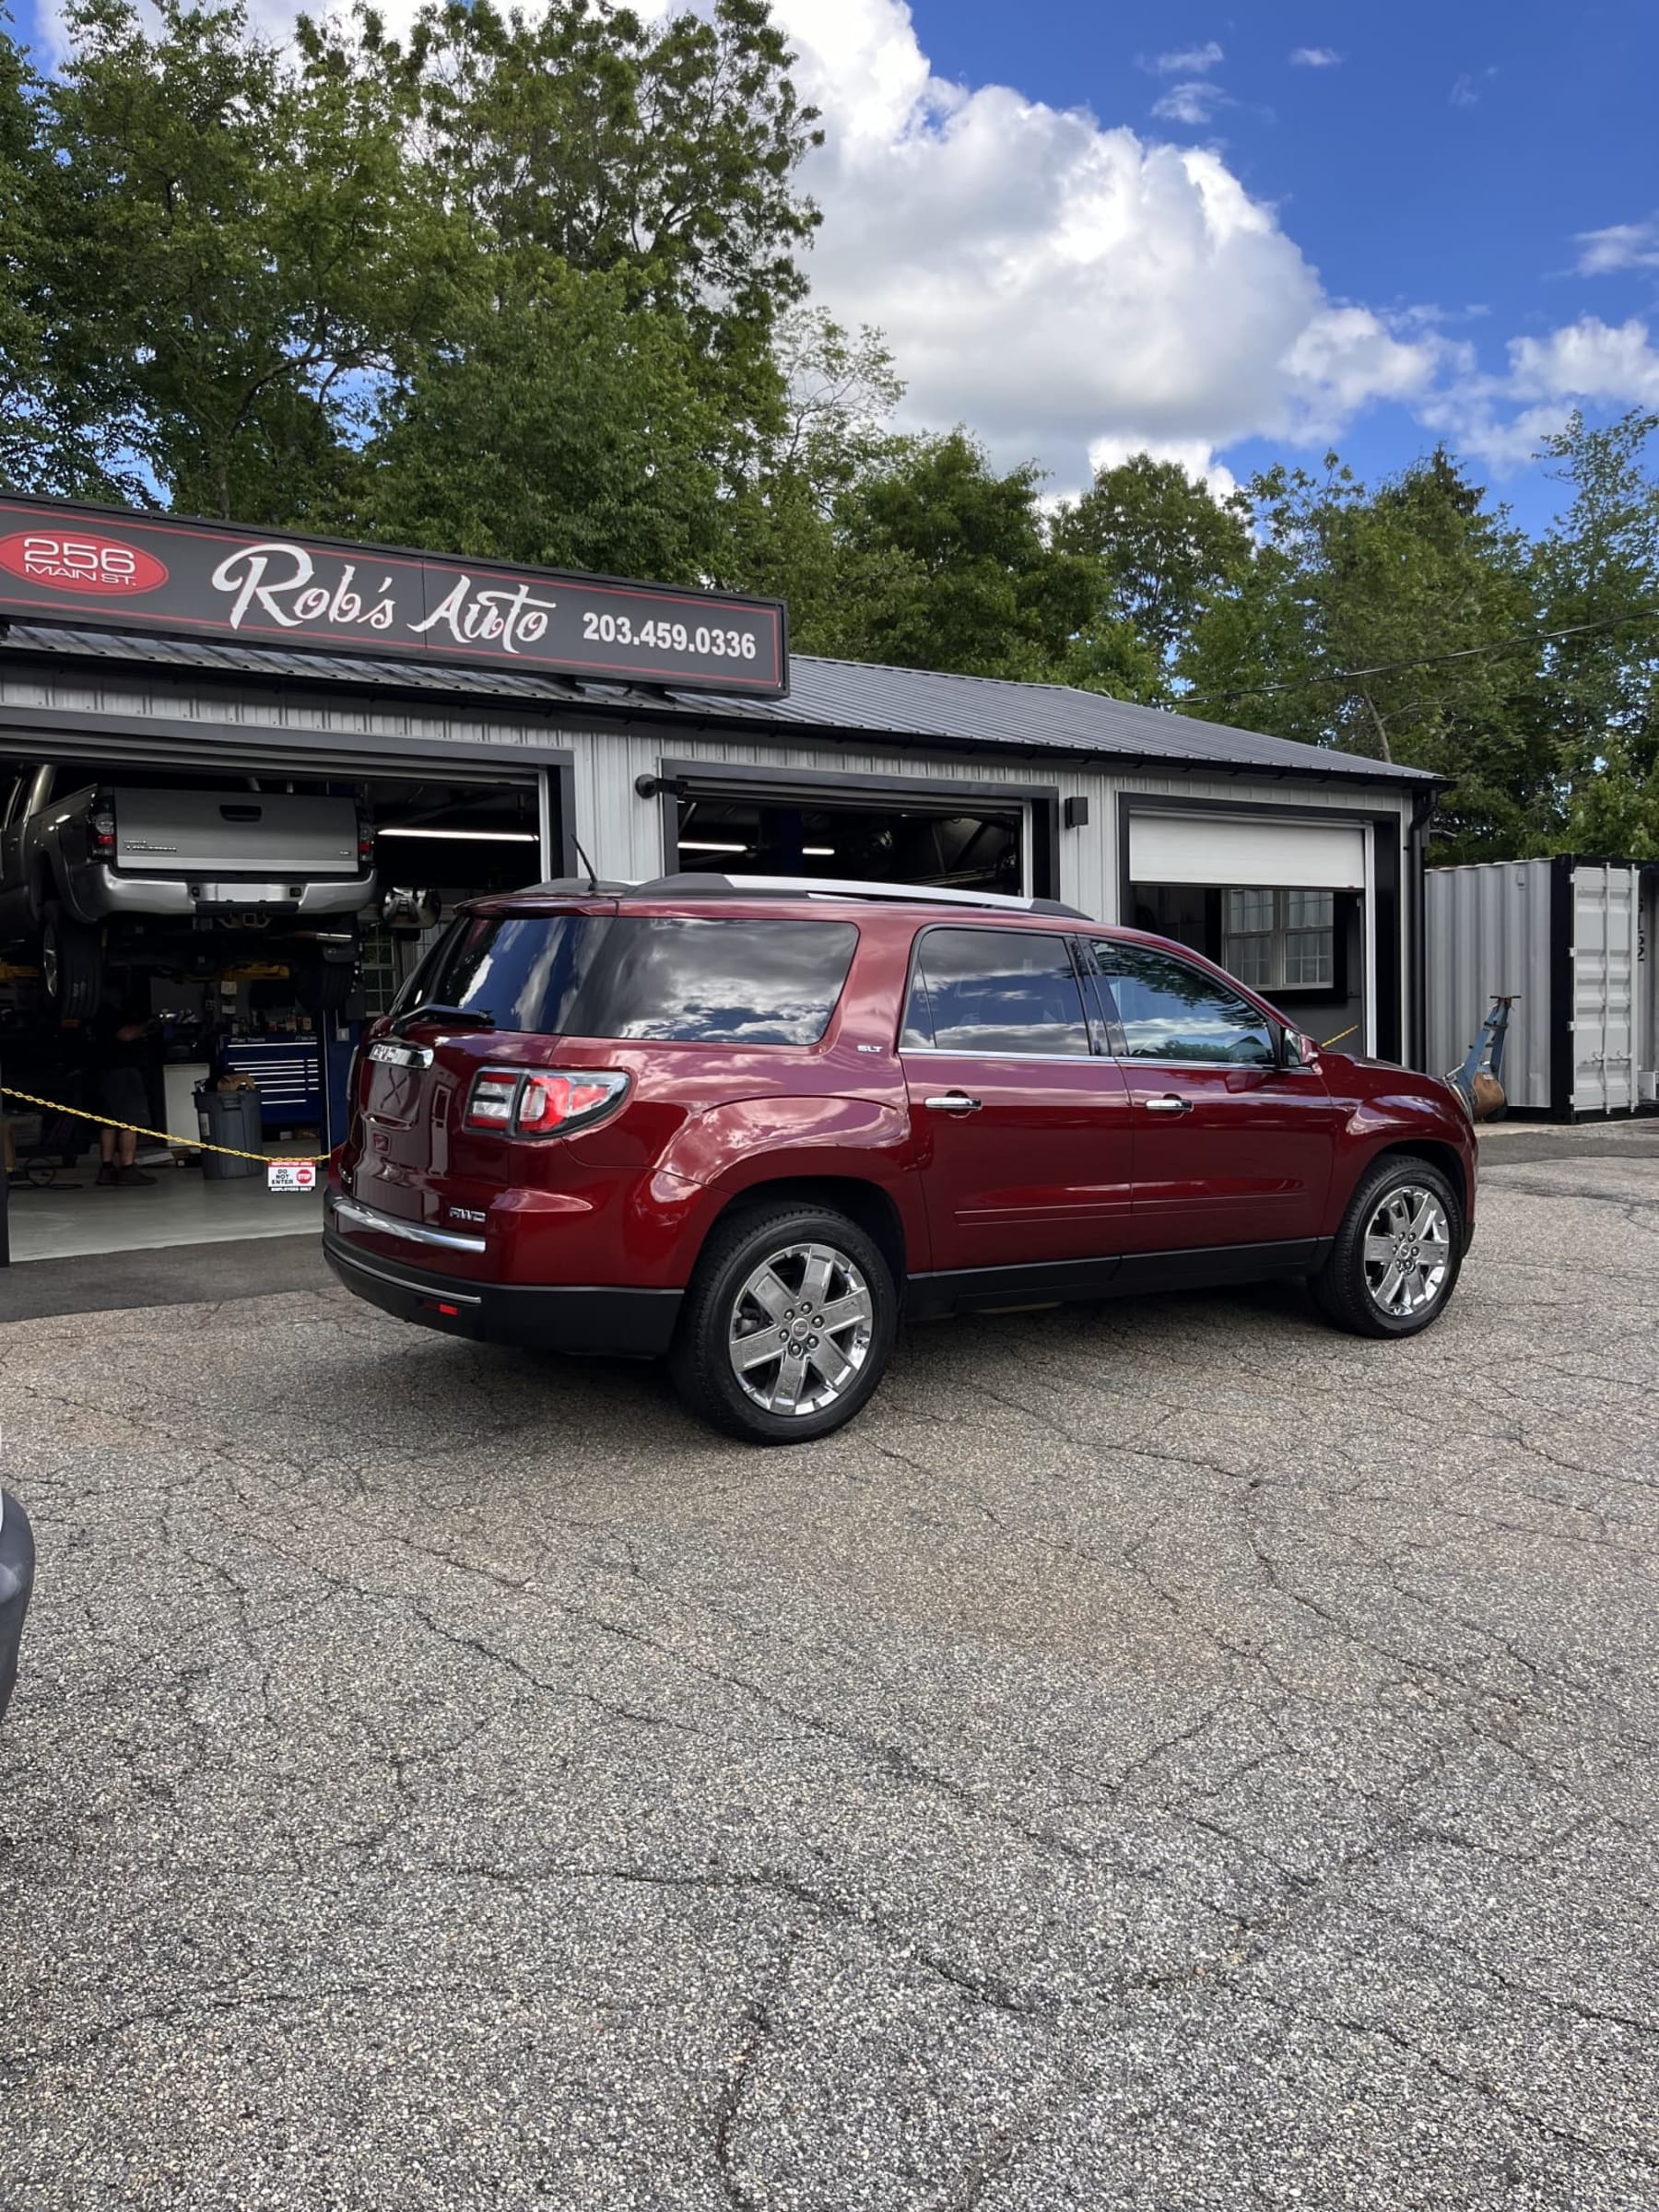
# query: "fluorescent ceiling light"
{"type": "Point", "coordinates": [470, 837]}
{"type": "Point", "coordinates": [708, 844]}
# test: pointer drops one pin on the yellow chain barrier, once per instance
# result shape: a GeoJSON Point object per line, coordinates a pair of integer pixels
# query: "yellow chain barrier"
{"type": "Point", "coordinates": [317, 1159]}
{"type": "Point", "coordinates": [192, 1144]}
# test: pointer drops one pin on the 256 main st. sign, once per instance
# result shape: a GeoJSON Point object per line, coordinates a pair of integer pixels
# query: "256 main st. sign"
{"type": "Point", "coordinates": [103, 568]}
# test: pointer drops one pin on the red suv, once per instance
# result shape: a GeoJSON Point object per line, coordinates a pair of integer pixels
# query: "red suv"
{"type": "Point", "coordinates": [752, 1124]}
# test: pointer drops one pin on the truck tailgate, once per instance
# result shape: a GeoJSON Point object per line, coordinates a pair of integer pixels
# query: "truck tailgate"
{"type": "Point", "coordinates": [230, 833]}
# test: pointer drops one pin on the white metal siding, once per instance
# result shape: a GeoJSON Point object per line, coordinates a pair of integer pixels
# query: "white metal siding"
{"type": "Point", "coordinates": [627, 829]}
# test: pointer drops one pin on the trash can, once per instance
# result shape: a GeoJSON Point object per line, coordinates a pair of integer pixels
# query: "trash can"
{"type": "Point", "coordinates": [230, 1117]}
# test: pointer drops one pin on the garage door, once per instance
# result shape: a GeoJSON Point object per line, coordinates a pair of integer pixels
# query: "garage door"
{"type": "Point", "coordinates": [1232, 849]}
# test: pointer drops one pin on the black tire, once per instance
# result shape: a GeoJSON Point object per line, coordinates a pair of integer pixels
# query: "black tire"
{"type": "Point", "coordinates": [71, 965]}
{"type": "Point", "coordinates": [1350, 1287]}
{"type": "Point", "coordinates": [321, 986]}
{"type": "Point", "coordinates": [716, 1305]}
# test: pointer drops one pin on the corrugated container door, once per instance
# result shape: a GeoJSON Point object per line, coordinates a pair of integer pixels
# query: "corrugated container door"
{"type": "Point", "coordinates": [1604, 931]}
{"type": "Point", "coordinates": [1647, 990]}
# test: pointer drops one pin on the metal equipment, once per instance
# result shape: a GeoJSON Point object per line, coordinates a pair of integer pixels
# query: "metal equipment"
{"type": "Point", "coordinates": [1479, 1081]}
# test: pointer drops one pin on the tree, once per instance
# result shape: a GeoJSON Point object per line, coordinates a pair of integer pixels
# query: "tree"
{"type": "Point", "coordinates": [557, 423]}
{"type": "Point", "coordinates": [1597, 575]}
{"type": "Point", "coordinates": [839, 391]}
{"type": "Point", "coordinates": [942, 563]}
{"type": "Point", "coordinates": [1397, 622]}
{"type": "Point", "coordinates": [1163, 544]}
{"type": "Point", "coordinates": [661, 153]}
{"type": "Point", "coordinates": [231, 250]}
{"type": "Point", "coordinates": [23, 400]}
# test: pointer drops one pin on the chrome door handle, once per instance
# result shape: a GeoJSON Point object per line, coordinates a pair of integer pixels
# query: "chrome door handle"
{"type": "Point", "coordinates": [954, 1101]}
{"type": "Point", "coordinates": [1169, 1103]}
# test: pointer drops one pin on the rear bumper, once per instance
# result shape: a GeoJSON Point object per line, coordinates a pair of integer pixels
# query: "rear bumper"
{"type": "Point", "coordinates": [17, 1580]}
{"type": "Point", "coordinates": [601, 1320]}
{"type": "Point", "coordinates": [99, 892]}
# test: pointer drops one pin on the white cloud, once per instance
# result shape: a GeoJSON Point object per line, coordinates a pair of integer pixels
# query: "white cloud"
{"type": "Point", "coordinates": [1187, 61]}
{"type": "Point", "coordinates": [1466, 92]}
{"type": "Point", "coordinates": [1061, 286]}
{"type": "Point", "coordinates": [1194, 455]}
{"type": "Point", "coordinates": [1587, 363]}
{"type": "Point", "coordinates": [1314, 57]}
{"type": "Point", "coordinates": [1066, 288]}
{"type": "Point", "coordinates": [1614, 363]}
{"type": "Point", "coordinates": [1193, 103]}
{"type": "Point", "coordinates": [1619, 246]}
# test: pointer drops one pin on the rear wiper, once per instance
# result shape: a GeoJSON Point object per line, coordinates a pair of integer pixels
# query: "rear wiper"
{"type": "Point", "coordinates": [455, 1016]}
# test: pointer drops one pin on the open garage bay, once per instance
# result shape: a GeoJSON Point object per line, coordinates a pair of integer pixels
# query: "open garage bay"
{"type": "Point", "coordinates": [1168, 1756]}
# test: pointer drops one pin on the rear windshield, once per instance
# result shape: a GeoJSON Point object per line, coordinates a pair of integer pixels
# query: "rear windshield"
{"type": "Point", "coordinates": [631, 976]}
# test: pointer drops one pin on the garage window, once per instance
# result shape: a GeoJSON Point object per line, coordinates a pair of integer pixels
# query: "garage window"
{"type": "Point", "coordinates": [1277, 940]}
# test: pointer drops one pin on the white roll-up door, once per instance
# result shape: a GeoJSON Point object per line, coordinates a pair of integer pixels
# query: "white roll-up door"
{"type": "Point", "coordinates": [1238, 850]}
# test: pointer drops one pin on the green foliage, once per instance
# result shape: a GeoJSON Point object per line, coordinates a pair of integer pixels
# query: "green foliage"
{"type": "Point", "coordinates": [1162, 545]}
{"type": "Point", "coordinates": [943, 563]}
{"type": "Point", "coordinates": [228, 247]}
{"type": "Point", "coordinates": [1597, 575]}
{"type": "Point", "coordinates": [661, 154]}
{"type": "Point", "coordinates": [557, 424]}
{"type": "Point", "coordinates": [1365, 621]}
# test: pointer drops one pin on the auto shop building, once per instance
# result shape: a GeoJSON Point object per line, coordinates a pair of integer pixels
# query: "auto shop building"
{"type": "Point", "coordinates": [498, 726]}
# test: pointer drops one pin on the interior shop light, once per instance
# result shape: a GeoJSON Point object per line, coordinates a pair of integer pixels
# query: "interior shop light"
{"type": "Point", "coordinates": [470, 837]}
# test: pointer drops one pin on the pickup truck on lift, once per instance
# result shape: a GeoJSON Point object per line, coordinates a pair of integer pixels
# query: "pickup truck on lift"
{"type": "Point", "coordinates": [181, 881]}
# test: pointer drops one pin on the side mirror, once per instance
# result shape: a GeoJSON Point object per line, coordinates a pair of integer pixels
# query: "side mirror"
{"type": "Point", "coordinates": [1301, 1050]}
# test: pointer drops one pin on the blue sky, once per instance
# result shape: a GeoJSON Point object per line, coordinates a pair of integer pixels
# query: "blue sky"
{"type": "Point", "coordinates": [1236, 235]}
{"type": "Point", "coordinates": [1449, 157]}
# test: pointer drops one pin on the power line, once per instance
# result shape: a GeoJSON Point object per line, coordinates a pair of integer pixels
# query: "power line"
{"type": "Point", "coordinates": [1352, 677]}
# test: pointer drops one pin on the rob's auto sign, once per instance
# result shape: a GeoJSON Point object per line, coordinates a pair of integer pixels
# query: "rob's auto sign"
{"type": "Point", "coordinates": [102, 567]}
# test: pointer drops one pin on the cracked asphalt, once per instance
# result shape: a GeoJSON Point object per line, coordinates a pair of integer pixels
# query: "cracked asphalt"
{"type": "Point", "coordinates": [1164, 1756]}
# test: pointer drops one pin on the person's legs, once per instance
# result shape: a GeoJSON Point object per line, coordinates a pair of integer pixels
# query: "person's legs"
{"type": "Point", "coordinates": [121, 1095]}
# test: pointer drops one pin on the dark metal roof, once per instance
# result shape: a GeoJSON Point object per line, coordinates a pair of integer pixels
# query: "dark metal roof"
{"type": "Point", "coordinates": [839, 697]}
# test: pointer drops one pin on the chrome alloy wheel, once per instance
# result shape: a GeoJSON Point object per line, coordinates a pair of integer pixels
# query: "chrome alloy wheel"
{"type": "Point", "coordinates": [801, 1329]}
{"type": "Point", "coordinates": [1407, 1251]}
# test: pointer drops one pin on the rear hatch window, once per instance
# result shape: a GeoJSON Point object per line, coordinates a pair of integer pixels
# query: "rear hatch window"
{"type": "Point", "coordinates": [643, 978]}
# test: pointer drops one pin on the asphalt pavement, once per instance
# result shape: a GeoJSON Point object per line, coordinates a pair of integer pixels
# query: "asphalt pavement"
{"type": "Point", "coordinates": [1163, 1756]}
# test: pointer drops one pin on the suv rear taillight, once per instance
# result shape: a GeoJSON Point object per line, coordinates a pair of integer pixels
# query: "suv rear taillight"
{"type": "Point", "coordinates": [494, 1094]}
{"type": "Point", "coordinates": [544, 1102]}
{"type": "Point", "coordinates": [100, 830]}
{"type": "Point", "coordinates": [365, 842]}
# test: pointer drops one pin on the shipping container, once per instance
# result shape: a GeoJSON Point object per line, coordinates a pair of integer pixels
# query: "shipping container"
{"type": "Point", "coordinates": [1572, 941]}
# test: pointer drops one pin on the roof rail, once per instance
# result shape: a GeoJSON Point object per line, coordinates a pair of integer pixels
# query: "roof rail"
{"type": "Point", "coordinates": [831, 886]}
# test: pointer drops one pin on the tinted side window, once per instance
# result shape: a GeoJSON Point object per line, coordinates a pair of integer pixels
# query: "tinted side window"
{"type": "Point", "coordinates": [995, 990]}
{"type": "Point", "coordinates": [646, 979]}
{"type": "Point", "coordinates": [1168, 1011]}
